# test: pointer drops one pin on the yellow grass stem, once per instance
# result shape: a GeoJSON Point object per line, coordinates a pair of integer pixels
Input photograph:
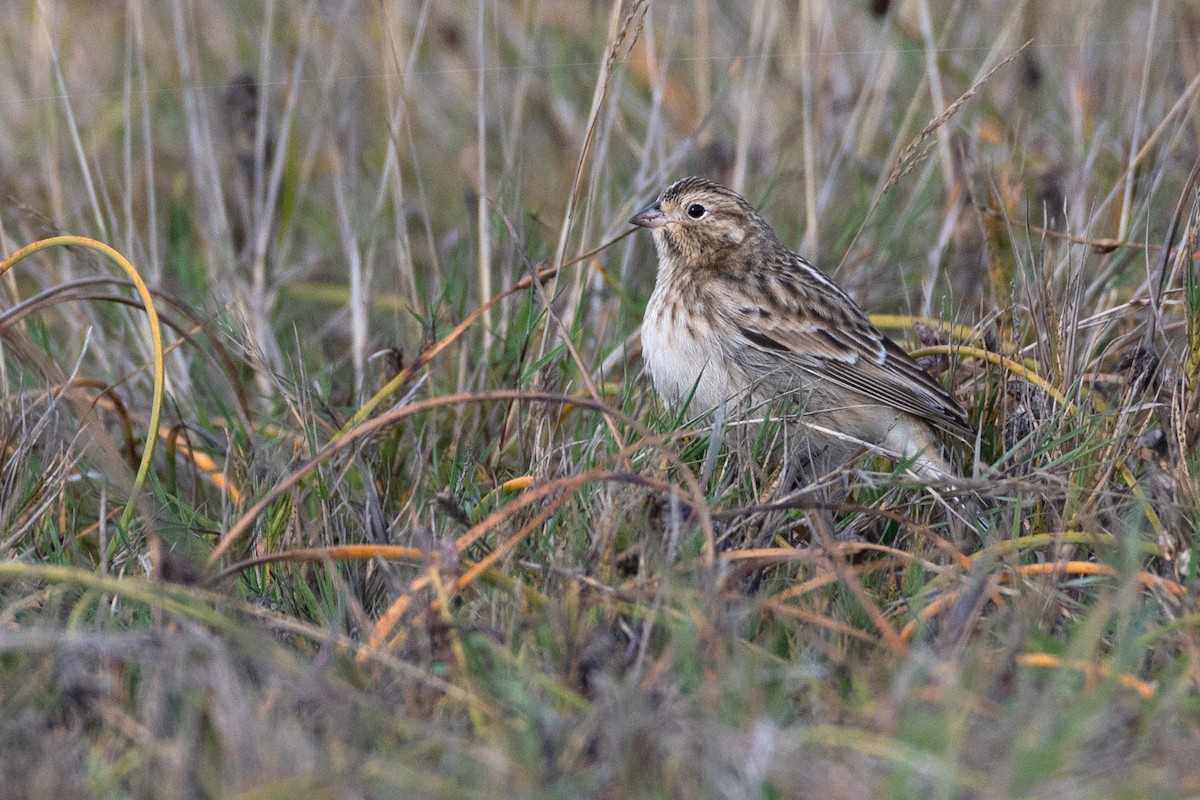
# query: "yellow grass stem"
{"type": "Point", "coordinates": [339, 295]}
{"type": "Point", "coordinates": [900, 322]}
{"type": "Point", "coordinates": [1023, 372]}
{"type": "Point", "coordinates": [188, 602]}
{"type": "Point", "coordinates": [1015, 367]}
{"type": "Point", "coordinates": [155, 337]}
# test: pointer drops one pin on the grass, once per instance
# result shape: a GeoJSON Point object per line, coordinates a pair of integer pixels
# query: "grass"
{"type": "Point", "coordinates": [414, 524]}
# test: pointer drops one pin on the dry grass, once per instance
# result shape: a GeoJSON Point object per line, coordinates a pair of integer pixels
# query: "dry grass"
{"type": "Point", "coordinates": [417, 528]}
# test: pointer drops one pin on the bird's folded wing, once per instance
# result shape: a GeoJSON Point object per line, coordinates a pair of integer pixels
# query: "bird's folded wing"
{"type": "Point", "coordinates": [857, 357]}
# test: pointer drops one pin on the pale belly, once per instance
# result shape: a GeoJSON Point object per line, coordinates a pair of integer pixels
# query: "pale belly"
{"type": "Point", "coordinates": [678, 360]}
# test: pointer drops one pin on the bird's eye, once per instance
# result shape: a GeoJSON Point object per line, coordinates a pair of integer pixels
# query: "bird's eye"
{"type": "Point", "coordinates": [696, 211]}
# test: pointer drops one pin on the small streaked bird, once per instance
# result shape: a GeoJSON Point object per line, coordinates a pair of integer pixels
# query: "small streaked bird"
{"type": "Point", "coordinates": [737, 319]}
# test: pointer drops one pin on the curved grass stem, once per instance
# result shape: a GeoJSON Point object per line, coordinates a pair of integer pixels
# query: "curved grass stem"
{"type": "Point", "coordinates": [155, 336]}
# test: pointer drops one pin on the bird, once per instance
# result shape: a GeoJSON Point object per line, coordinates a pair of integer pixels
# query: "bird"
{"type": "Point", "coordinates": [738, 321]}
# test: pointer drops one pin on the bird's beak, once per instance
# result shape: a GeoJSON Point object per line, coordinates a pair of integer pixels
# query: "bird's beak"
{"type": "Point", "coordinates": [650, 217]}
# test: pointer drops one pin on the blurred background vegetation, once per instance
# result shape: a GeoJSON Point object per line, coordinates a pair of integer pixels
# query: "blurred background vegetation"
{"type": "Point", "coordinates": [340, 205]}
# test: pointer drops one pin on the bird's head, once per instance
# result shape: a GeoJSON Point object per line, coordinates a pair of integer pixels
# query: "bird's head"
{"type": "Point", "coordinates": [700, 224]}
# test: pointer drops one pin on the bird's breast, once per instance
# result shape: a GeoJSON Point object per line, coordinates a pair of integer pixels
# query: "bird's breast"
{"type": "Point", "coordinates": [682, 350]}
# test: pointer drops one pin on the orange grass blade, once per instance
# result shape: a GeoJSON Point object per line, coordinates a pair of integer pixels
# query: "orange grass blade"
{"type": "Point", "coordinates": [1146, 689]}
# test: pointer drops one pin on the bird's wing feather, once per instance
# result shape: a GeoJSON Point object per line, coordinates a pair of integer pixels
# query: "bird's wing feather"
{"type": "Point", "coordinates": [847, 350]}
